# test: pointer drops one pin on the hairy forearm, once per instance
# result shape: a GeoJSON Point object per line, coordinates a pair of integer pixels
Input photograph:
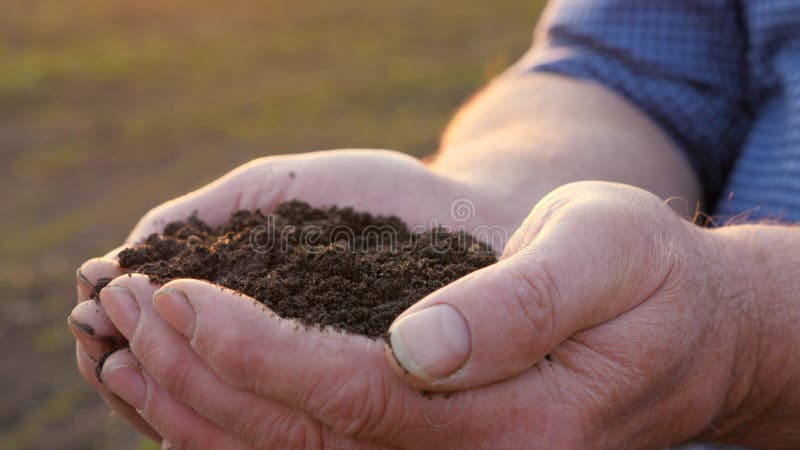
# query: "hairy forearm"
{"type": "Point", "coordinates": [524, 136]}
{"type": "Point", "coordinates": [758, 282]}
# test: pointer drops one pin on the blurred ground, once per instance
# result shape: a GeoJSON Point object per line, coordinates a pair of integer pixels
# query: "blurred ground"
{"type": "Point", "coordinates": [108, 108]}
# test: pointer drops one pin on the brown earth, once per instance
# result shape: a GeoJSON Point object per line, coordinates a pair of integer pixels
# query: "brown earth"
{"type": "Point", "coordinates": [326, 267]}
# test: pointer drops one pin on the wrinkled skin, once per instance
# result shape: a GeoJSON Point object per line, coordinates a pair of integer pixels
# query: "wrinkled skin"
{"type": "Point", "coordinates": [364, 179]}
{"type": "Point", "coordinates": [604, 278]}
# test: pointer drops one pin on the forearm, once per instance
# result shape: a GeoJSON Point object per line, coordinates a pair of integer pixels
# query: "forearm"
{"type": "Point", "coordinates": [759, 285]}
{"type": "Point", "coordinates": [522, 137]}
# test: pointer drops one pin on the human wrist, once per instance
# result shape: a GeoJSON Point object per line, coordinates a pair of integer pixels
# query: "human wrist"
{"type": "Point", "coordinates": [753, 287]}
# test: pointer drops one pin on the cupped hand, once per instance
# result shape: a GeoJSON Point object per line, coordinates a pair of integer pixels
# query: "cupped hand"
{"type": "Point", "coordinates": [378, 181]}
{"type": "Point", "coordinates": [600, 327]}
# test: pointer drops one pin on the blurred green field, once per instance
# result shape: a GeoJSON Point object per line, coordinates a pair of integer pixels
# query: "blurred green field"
{"type": "Point", "coordinates": [108, 108]}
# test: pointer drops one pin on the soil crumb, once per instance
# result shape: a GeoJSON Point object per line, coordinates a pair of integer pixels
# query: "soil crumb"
{"type": "Point", "coordinates": [323, 267]}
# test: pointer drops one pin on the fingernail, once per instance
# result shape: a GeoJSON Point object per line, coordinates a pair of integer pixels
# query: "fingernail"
{"type": "Point", "coordinates": [431, 343]}
{"type": "Point", "coordinates": [127, 383]}
{"type": "Point", "coordinates": [174, 306]}
{"type": "Point", "coordinates": [93, 343]}
{"type": "Point", "coordinates": [121, 307]}
{"type": "Point", "coordinates": [84, 286]}
{"type": "Point", "coordinates": [84, 333]}
{"type": "Point", "coordinates": [82, 329]}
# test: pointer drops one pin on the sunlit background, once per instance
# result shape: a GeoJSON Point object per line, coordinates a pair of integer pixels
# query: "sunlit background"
{"type": "Point", "coordinates": [110, 107]}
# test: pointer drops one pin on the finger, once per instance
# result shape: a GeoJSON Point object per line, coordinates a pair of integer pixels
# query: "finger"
{"type": "Point", "coordinates": [91, 272]}
{"type": "Point", "coordinates": [93, 329]}
{"type": "Point", "coordinates": [97, 336]}
{"type": "Point", "coordinates": [173, 364]}
{"type": "Point", "coordinates": [575, 270]}
{"type": "Point", "coordinates": [343, 380]}
{"type": "Point", "coordinates": [87, 321]}
{"type": "Point", "coordinates": [266, 359]}
{"type": "Point", "coordinates": [178, 423]}
{"type": "Point", "coordinates": [87, 367]}
{"type": "Point", "coordinates": [259, 184]}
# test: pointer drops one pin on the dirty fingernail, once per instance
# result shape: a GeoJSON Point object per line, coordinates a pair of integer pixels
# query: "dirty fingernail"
{"type": "Point", "coordinates": [121, 307]}
{"type": "Point", "coordinates": [431, 343]}
{"type": "Point", "coordinates": [84, 333]}
{"type": "Point", "coordinates": [79, 328]}
{"type": "Point", "coordinates": [174, 306]}
{"type": "Point", "coordinates": [94, 344]}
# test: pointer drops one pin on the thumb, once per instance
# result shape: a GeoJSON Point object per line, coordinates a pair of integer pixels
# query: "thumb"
{"type": "Point", "coordinates": [578, 269]}
{"type": "Point", "coordinates": [491, 325]}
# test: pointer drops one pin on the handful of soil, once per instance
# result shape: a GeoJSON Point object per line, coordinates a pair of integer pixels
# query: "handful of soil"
{"type": "Point", "coordinates": [334, 266]}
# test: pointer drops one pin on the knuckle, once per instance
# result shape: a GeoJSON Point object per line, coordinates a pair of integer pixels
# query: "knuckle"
{"type": "Point", "coordinates": [295, 436]}
{"type": "Point", "coordinates": [358, 407]}
{"type": "Point", "coordinates": [170, 368]}
{"type": "Point", "coordinates": [260, 432]}
{"type": "Point", "coordinates": [533, 299]}
{"type": "Point", "coordinates": [289, 431]}
{"type": "Point", "coordinates": [230, 353]}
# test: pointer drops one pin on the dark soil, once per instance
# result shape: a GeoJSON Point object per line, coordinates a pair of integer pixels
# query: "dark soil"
{"type": "Point", "coordinates": [334, 266]}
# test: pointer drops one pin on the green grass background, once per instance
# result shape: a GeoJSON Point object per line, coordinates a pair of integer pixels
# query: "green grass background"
{"type": "Point", "coordinates": [108, 108]}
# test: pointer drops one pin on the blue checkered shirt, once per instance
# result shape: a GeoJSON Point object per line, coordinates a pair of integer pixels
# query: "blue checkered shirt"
{"type": "Point", "coordinates": [721, 77]}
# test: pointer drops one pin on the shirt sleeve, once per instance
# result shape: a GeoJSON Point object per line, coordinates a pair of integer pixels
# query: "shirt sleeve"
{"type": "Point", "coordinates": [683, 63]}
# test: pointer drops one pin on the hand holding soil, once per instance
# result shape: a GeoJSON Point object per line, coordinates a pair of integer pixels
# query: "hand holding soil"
{"type": "Point", "coordinates": [381, 182]}
{"type": "Point", "coordinates": [554, 345]}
